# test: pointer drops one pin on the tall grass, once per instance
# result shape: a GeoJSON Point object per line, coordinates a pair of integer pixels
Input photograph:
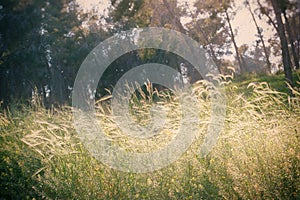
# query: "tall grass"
{"type": "Point", "coordinates": [257, 155]}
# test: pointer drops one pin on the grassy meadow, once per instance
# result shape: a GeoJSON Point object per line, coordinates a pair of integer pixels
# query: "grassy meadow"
{"type": "Point", "coordinates": [257, 155]}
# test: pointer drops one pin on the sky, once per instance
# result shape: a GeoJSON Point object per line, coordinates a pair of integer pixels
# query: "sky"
{"type": "Point", "coordinates": [242, 21]}
{"type": "Point", "coordinates": [246, 27]}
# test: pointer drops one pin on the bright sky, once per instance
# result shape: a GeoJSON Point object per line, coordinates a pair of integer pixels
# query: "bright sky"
{"type": "Point", "coordinates": [242, 22]}
{"type": "Point", "coordinates": [246, 28]}
{"type": "Point", "coordinates": [88, 4]}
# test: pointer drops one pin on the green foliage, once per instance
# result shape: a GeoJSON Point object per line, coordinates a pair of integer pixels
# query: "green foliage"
{"type": "Point", "coordinates": [257, 155]}
{"type": "Point", "coordinates": [43, 44]}
{"type": "Point", "coordinates": [276, 82]}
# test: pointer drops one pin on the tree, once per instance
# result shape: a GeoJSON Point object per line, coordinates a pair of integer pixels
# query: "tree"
{"type": "Point", "coordinates": [126, 14]}
{"type": "Point", "coordinates": [291, 8]}
{"type": "Point", "coordinates": [283, 41]}
{"type": "Point", "coordinates": [222, 9]}
{"type": "Point", "coordinates": [295, 24]}
{"type": "Point", "coordinates": [21, 61]}
{"type": "Point", "coordinates": [161, 13]}
{"type": "Point", "coordinates": [254, 60]}
{"type": "Point", "coordinates": [260, 35]}
{"type": "Point", "coordinates": [284, 7]}
{"type": "Point", "coordinates": [277, 6]}
{"type": "Point", "coordinates": [210, 30]}
{"type": "Point", "coordinates": [43, 45]}
{"type": "Point", "coordinates": [238, 57]}
{"type": "Point", "coordinates": [63, 42]}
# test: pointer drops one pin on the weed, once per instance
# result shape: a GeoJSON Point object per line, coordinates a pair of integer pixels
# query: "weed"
{"type": "Point", "coordinates": [257, 155]}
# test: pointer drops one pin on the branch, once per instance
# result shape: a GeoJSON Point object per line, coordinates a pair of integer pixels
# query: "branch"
{"type": "Point", "coordinates": [265, 13]}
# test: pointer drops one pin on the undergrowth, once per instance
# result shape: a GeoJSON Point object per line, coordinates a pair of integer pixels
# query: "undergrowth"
{"type": "Point", "coordinates": [257, 155]}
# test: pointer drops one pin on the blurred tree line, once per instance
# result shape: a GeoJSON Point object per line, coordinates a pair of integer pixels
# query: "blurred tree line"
{"type": "Point", "coordinates": [43, 43]}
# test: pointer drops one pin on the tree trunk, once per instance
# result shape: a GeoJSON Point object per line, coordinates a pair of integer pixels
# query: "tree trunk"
{"type": "Point", "coordinates": [296, 35]}
{"type": "Point", "coordinates": [234, 43]}
{"type": "Point", "coordinates": [177, 22]}
{"type": "Point", "coordinates": [268, 15]}
{"type": "Point", "coordinates": [298, 38]}
{"type": "Point", "coordinates": [291, 39]}
{"type": "Point", "coordinates": [284, 45]}
{"type": "Point", "coordinates": [57, 94]}
{"type": "Point", "coordinates": [261, 38]}
{"type": "Point", "coordinates": [212, 51]}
